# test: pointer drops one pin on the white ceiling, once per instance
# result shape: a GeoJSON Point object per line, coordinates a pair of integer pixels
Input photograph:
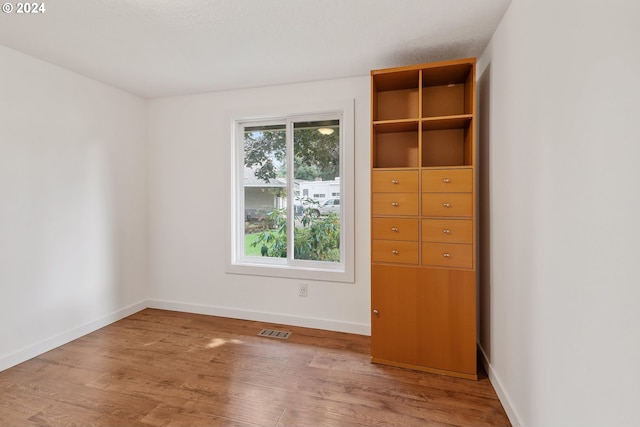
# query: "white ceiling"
{"type": "Point", "coordinates": [156, 48]}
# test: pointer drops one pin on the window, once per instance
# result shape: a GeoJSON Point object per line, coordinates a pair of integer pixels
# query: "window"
{"type": "Point", "coordinates": [283, 224]}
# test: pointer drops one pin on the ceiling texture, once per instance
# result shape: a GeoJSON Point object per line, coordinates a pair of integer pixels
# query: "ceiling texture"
{"type": "Point", "coordinates": [157, 48]}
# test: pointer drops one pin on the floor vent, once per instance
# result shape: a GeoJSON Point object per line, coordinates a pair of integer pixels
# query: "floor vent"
{"type": "Point", "coordinates": [271, 333]}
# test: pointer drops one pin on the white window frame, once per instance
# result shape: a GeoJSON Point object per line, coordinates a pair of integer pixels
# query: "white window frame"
{"type": "Point", "coordinates": [237, 262]}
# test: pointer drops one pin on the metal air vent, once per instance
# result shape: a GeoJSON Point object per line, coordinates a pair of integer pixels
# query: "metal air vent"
{"type": "Point", "coordinates": [272, 333]}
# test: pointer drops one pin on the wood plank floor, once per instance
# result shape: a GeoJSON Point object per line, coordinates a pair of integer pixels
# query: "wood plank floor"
{"type": "Point", "coordinates": [164, 368]}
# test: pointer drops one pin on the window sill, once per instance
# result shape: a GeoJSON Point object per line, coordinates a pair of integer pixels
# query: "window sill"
{"type": "Point", "coordinates": [340, 274]}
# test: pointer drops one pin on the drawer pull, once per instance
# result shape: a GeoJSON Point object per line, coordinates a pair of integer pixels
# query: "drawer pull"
{"type": "Point", "coordinates": [395, 252]}
{"type": "Point", "coordinates": [394, 229]}
{"type": "Point", "coordinates": [445, 231]}
{"type": "Point", "coordinates": [446, 180]}
{"type": "Point", "coordinates": [446, 205]}
{"type": "Point", "coordinates": [446, 255]}
{"type": "Point", "coordinates": [395, 204]}
{"type": "Point", "coordinates": [394, 181]}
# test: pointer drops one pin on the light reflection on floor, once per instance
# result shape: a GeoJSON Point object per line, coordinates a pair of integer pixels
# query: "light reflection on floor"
{"type": "Point", "coordinates": [217, 342]}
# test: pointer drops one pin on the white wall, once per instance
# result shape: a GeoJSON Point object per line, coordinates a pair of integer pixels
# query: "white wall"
{"type": "Point", "coordinates": [189, 163]}
{"type": "Point", "coordinates": [560, 291]}
{"type": "Point", "coordinates": [73, 227]}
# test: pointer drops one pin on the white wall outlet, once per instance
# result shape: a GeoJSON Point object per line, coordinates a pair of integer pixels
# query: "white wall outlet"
{"type": "Point", "coordinates": [302, 290]}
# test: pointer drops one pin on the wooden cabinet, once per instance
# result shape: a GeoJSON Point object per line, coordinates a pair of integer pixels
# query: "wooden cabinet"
{"type": "Point", "coordinates": [394, 327]}
{"type": "Point", "coordinates": [394, 181]}
{"type": "Point", "coordinates": [446, 316]}
{"type": "Point", "coordinates": [394, 251]}
{"type": "Point", "coordinates": [447, 180]}
{"type": "Point", "coordinates": [423, 208]}
{"type": "Point", "coordinates": [447, 205]}
{"type": "Point", "coordinates": [447, 230]}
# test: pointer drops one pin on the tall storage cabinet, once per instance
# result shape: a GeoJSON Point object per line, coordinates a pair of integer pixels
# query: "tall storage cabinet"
{"type": "Point", "coordinates": [423, 217]}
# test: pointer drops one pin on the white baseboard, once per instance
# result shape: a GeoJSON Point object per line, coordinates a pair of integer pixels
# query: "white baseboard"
{"type": "Point", "coordinates": [307, 322]}
{"type": "Point", "coordinates": [50, 343]}
{"type": "Point", "coordinates": [515, 419]}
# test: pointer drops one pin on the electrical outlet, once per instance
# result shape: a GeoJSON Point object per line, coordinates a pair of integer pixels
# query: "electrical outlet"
{"type": "Point", "coordinates": [302, 290]}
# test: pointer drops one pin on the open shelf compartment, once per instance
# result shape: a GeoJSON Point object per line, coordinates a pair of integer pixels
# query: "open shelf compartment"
{"type": "Point", "coordinates": [395, 145]}
{"type": "Point", "coordinates": [446, 91]}
{"type": "Point", "coordinates": [396, 95]}
{"type": "Point", "coordinates": [447, 146]}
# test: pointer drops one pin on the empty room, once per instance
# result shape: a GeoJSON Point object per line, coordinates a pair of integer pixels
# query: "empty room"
{"type": "Point", "coordinates": [319, 213]}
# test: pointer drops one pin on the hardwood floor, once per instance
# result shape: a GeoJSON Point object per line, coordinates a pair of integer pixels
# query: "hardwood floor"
{"type": "Point", "coordinates": [164, 368]}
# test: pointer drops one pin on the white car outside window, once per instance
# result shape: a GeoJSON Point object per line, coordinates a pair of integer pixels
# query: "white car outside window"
{"type": "Point", "coordinates": [331, 205]}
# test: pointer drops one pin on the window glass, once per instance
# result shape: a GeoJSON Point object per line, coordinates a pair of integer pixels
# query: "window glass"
{"type": "Point", "coordinates": [265, 190]}
{"type": "Point", "coordinates": [292, 192]}
{"type": "Point", "coordinates": [316, 159]}
{"type": "Point", "coordinates": [288, 169]}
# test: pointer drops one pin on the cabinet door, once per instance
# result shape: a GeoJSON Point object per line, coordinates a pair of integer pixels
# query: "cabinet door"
{"type": "Point", "coordinates": [393, 317]}
{"type": "Point", "coordinates": [446, 320]}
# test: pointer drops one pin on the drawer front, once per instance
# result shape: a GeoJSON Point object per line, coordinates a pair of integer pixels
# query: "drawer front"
{"type": "Point", "coordinates": [447, 230]}
{"type": "Point", "coordinates": [447, 180]}
{"type": "Point", "coordinates": [394, 251]}
{"type": "Point", "coordinates": [447, 204]}
{"type": "Point", "coordinates": [447, 255]}
{"type": "Point", "coordinates": [394, 204]}
{"type": "Point", "coordinates": [394, 181]}
{"type": "Point", "coordinates": [394, 229]}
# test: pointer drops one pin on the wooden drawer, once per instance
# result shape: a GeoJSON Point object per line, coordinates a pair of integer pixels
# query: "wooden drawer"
{"type": "Point", "coordinates": [447, 180]}
{"type": "Point", "coordinates": [394, 203]}
{"type": "Point", "coordinates": [447, 230]}
{"type": "Point", "coordinates": [394, 229]}
{"type": "Point", "coordinates": [447, 255]}
{"type": "Point", "coordinates": [394, 251]}
{"type": "Point", "coordinates": [447, 204]}
{"type": "Point", "coordinates": [394, 181]}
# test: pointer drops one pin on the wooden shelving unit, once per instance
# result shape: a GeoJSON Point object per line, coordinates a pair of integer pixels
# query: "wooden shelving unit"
{"type": "Point", "coordinates": [423, 180]}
